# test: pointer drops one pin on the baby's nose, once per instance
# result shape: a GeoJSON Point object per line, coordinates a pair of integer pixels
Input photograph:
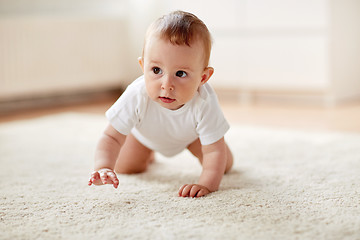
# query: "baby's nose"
{"type": "Point", "coordinates": [167, 84]}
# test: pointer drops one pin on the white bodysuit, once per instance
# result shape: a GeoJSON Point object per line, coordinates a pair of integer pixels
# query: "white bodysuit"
{"type": "Point", "coordinates": [168, 131]}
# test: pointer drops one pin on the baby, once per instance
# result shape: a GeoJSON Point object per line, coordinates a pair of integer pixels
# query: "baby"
{"type": "Point", "coordinates": [170, 108]}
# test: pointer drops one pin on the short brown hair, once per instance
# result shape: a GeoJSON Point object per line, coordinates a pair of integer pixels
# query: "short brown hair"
{"type": "Point", "coordinates": [182, 28]}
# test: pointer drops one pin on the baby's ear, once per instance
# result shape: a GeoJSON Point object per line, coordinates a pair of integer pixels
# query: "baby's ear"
{"type": "Point", "coordinates": [206, 75]}
{"type": "Point", "coordinates": [141, 62]}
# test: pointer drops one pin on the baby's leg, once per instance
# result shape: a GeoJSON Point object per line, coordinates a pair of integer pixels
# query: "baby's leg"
{"type": "Point", "coordinates": [133, 157]}
{"type": "Point", "coordinates": [195, 149]}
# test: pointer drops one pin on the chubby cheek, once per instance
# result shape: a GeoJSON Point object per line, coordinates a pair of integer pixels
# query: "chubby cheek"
{"type": "Point", "coordinates": [190, 90]}
{"type": "Point", "coordinates": [189, 95]}
{"type": "Point", "coordinates": [152, 88]}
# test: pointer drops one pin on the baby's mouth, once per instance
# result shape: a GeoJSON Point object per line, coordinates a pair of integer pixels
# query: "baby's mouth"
{"type": "Point", "coordinates": [166, 99]}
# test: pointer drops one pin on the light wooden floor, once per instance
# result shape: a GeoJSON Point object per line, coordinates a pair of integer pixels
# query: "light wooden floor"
{"type": "Point", "coordinates": [340, 118]}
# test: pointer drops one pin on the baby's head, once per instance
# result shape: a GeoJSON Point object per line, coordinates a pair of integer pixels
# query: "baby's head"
{"type": "Point", "coordinates": [175, 59]}
{"type": "Point", "coordinates": [181, 28]}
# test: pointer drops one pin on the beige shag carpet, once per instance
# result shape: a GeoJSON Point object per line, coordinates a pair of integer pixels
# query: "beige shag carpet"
{"type": "Point", "coordinates": [286, 184]}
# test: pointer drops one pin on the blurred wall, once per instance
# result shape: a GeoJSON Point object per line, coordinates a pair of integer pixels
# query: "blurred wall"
{"type": "Point", "coordinates": [344, 56]}
{"type": "Point", "coordinates": [303, 47]}
{"type": "Point", "coordinates": [259, 45]}
{"type": "Point", "coordinates": [56, 47]}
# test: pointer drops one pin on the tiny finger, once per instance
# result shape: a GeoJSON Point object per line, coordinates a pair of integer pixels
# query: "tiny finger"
{"type": "Point", "coordinates": [181, 190]}
{"type": "Point", "coordinates": [114, 179]}
{"type": "Point", "coordinates": [186, 191]}
{"type": "Point", "coordinates": [95, 175]}
{"type": "Point", "coordinates": [103, 176]}
{"type": "Point", "coordinates": [201, 193]}
{"type": "Point", "coordinates": [194, 191]}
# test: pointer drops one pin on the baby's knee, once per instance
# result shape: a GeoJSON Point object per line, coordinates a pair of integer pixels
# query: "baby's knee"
{"type": "Point", "coordinates": [229, 165]}
{"type": "Point", "coordinates": [131, 169]}
{"type": "Point", "coordinates": [229, 160]}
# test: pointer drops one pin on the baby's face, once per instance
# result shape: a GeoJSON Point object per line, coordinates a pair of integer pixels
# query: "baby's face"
{"type": "Point", "coordinates": [173, 73]}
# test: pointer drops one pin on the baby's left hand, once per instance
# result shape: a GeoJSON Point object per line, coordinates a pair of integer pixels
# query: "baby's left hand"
{"type": "Point", "coordinates": [193, 190]}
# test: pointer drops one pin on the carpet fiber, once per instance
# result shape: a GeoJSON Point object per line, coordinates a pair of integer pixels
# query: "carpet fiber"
{"type": "Point", "coordinates": [285, 184]}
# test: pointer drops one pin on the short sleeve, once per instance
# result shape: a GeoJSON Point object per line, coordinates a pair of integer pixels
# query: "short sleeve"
{"type": "Point", "coordinates": [123, 115]}
{"type": "Point", "coordinates": [212, 124]}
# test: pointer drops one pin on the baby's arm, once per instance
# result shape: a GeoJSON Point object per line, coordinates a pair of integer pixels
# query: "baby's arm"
{"type": "Point", "coordinates": [106, 155]}
{"type": "Point", "coordinates": [213, 164]}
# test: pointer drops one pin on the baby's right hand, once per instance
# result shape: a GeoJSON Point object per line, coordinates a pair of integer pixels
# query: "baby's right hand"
{"type": "Point", "coordinates": [104, 176]}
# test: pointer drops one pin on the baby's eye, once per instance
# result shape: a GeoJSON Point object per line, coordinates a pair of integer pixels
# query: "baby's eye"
{"type": "Point", "coordinates": [157, 70]}
{"type": "Point", "coordinates": [181, 74]}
